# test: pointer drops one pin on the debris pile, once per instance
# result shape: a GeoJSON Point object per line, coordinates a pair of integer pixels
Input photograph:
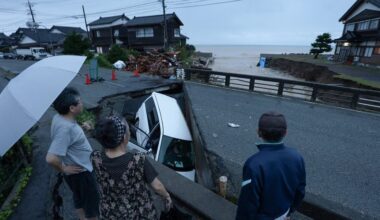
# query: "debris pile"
{"type": "Point", "coordinates": [202, 60]}
{"type": "Point", "coordinates": [163, 64]}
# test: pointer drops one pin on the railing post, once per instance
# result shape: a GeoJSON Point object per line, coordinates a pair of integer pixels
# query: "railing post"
{"type": "Point", "coordinates": [314, 94]}
{"type": "Point", "coordinates": [280, 88]}
{"type": "Point", "coordinates": [251, 84]}
{"type": "Point", "coordinates": [354, 101]}
{"type": "Point", "coordinates": [188, 74]}
{"type": "Point", "coordinates": [227, 82]}
{"type": "Point", "coordinates": [207, 79]}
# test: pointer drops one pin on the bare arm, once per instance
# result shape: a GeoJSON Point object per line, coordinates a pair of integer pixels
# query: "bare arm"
{"type": "Point", "coordinates": [56, 163]}
{"type": "Point", "coordinates": [160, 189]}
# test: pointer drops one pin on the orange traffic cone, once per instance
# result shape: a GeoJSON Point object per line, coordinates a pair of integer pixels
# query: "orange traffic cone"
{"type": "Point", "coordinates": [113, 77]}
{"type": "Point", "coordinates": [88, 80]}
{"type": "Point", "coordinates": [136, 72]}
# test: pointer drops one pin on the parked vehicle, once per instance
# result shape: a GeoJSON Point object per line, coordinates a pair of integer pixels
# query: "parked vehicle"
{"type": "Point", "coordinates": [9, 56]}
{"type": "Point", "coordinates": [161, 129]}
{"type": "Point", "coordinates": [33, 53]}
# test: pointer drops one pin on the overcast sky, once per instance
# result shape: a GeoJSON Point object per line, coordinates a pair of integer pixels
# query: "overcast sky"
{"type": "Point", "coordinates": [273, 22]}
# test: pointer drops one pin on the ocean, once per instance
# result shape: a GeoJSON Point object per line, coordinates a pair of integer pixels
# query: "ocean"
{"type": "Point", "coordinates": [244, 58]}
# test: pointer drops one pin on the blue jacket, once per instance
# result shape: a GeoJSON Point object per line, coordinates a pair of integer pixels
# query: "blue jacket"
{"type": "Point", "coordinates": [274, 181]}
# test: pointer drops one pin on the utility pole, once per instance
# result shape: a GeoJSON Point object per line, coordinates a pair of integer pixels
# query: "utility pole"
{"type": "Point", "coordinates": [85, 21]}
{"type": "Point", "coordinates": [165, 25]}
{"type": "Point", "coordinates": [31, 12]}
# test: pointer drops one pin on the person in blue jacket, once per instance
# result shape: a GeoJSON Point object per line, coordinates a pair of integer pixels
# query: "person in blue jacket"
{"type": "Point", "coordinates": [274, 179]}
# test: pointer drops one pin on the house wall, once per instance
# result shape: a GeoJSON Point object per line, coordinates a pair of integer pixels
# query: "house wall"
{"type": "Point", "coordinates": [374, 59]}
{"type": "Point", "coordinates": [27, 40]}
{"type": "Point", "coordinates": [107, 37]}
{"type": "Point", "coordinates": [171, 27]}
{"type": "Point", "coordinates": [55, 31]}
{"type": "Point", "coordinates": [157, 40]}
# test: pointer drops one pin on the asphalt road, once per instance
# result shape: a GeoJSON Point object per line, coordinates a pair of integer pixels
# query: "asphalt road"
{"type": "Point", "coordinates": [95, 92]}
{"type": "Point", "coordinates": [36, 199]}
{"type": "Point", "coordinates": [341, 147]}
{"type": "Point", "coordinates": [15, 66]}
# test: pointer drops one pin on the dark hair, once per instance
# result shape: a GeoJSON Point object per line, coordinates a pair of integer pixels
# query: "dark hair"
{"type": "Point", "coordinates": [272, 126]}
{"type": "Point", "coordinates": [106, 132]}
{"type": "Point", "coordinates": [68, 97]}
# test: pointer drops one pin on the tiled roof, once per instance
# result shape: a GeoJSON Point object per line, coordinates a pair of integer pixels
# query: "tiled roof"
{"type": "Point", "coordinates": [41, 35]}
{"type": "Point", "coordinates": [149, 20]}
{"type": "Point", "coordinates": [69, 30]}
{"type": "Point", "coordinates": [356, 5]}
{"type": "Point", "coordinates": [107, 20]}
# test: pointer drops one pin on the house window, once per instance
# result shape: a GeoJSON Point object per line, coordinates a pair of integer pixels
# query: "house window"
{"type": "Point", "coordinates": [358, 52]}
{"type": "Point", "coordinates": [140, 32]}
{"type": "Point", "coordinates": [349, 27]}
{"type": "Point", "coordinates": [377, 51]}
{"type": "Point", "coordinates": [99, 50]}
{"type": "Point", "coordinates": [116, 33]}
{"type": "Point", "coordinates": [338, 50]}
{"type": "Point", "coordinates": [144, 32]}
{"type": "Point", "coordinates": [368, 51]}
{"type": "Point", "coordinates": [97, 33]}
{"type": "Point", "coordinates": [177, 32]}
{"type": "Point", "coordinates": [374, 24]}
{"type": "Point", "coordinates": [363, 26]}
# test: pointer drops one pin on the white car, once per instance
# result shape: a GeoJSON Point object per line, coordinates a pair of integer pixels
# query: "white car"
{"type": "Point", "coordinates": [161, 128]}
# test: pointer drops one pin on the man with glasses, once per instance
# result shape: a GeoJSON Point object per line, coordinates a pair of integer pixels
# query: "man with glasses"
{"type": "Point", "coordinates": [69, 153]}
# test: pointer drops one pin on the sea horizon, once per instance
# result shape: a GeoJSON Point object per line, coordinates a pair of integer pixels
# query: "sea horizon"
{"type": "Point", "coordinates": [290, 45]}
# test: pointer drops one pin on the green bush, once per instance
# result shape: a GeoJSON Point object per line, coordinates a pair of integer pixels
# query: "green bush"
{"type": "Point", "coordinates": [117, 53]}
{"type": "Point", "coordinates": [86, 116]}
{"type": "Point", "coordinates": [75, 44]}
{"type": "Point", "coordinates": [27, 141]}
{"type": "Point", "coordinates": [133, 52]}
{"type": "Point", "coordinates": [7, 211]}
{"type": "Point", "coordinates": [103, 62]}
{"type": "Point", "coordinates": [89, 55]}
{"type": "Point", "coordinates": [185, 52]}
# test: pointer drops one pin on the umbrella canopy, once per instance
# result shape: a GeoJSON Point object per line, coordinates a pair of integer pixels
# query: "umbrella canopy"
{"type": "Point", "coordinates": [26, 97]}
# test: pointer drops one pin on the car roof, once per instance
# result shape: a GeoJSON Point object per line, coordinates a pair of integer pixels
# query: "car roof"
{"type": "Point", "coordinates": [172, 121]}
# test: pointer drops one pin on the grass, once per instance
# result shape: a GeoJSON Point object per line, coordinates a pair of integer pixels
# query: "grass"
{"type": "Point", "coordinates": [322, 59]}
{"type": "Point", "coordinates": [360, 81]}
{"type": "Point", "coordinates": [7, 211]}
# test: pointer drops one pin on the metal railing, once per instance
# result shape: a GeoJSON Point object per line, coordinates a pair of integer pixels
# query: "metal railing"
{"type": "Point", "coordinates": [360, 99]}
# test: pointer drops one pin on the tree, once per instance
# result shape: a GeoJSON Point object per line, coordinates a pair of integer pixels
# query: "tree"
{"type": "Point", "coordinates": [117, 53]}
{"type": "Point", "coordinates": [75, 44]}
{"type": "Point", "coordinates": [321, 45]}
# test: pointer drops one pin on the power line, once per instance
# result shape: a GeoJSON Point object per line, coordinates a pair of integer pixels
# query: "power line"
{"type": "Point", "coordinates": [176, 2]}
{"type": "Point", "coordinates": [216, 3]}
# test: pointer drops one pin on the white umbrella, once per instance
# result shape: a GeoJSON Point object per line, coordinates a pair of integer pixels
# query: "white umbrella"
{"type": "Point", "coordinates": [26, 97]}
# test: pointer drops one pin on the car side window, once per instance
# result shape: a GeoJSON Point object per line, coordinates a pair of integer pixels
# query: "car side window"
{"type": "Point", "coordinates": [151, 113]}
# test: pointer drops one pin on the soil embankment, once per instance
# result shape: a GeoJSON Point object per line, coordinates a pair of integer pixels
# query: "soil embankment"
{"type": "Point", "coordinates": [311, 72]}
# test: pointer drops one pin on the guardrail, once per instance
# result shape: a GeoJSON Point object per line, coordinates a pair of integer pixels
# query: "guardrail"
{"type": "Point", "coordinates": [360, 99]}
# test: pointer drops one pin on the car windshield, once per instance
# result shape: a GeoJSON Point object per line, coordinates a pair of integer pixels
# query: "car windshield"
{"type": "Point", "coordinates": [176, 154]}
{"type": "Point", "coordinates": [42, 51]}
